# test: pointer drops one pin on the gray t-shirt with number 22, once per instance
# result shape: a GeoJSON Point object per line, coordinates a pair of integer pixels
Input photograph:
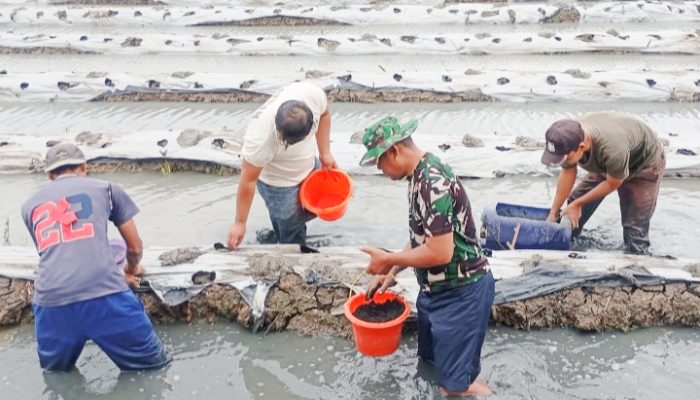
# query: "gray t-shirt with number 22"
{"type": "Point", "coordinates": [67, 219]}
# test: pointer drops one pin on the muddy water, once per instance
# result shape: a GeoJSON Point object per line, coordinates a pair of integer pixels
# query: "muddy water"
{"type": "Point", "coordinates": [203, 206]}
{"type": "Point", "coordinates": [223, 361]}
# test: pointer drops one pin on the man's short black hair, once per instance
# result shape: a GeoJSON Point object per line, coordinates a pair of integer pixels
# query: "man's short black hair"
{"type": "Point", "coordinates": [294, 120]}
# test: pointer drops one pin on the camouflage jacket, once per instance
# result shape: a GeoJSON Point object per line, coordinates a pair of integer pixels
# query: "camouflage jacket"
{"type": "Point", "coordinates": [439, 204]}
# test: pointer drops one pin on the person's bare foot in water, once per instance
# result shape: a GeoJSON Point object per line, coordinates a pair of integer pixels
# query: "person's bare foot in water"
{"type": "Point", "coordinates": [478, 388]}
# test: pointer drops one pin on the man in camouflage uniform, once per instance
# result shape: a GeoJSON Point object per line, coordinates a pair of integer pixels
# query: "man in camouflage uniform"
{"type": "Point", "coordinates": [457, 286]}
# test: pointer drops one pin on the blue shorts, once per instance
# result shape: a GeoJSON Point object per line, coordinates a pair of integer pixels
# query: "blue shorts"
{"type": "Point", "coordinates": [451, 330]}
{"type": "Point", "coordinates": [117, 323]}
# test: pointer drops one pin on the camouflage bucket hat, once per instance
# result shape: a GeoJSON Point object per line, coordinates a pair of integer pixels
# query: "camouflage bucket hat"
{"type": "Point", "coordinates": [383, 134]}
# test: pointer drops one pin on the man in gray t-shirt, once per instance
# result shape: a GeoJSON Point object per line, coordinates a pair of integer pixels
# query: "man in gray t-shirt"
{"type": "Point", "coordinates": [80, 292]}
{"type": "Point", "coordinates": [621, 153]}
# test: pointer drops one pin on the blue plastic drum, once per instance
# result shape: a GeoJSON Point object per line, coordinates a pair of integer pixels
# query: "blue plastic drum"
{"type": "Point", "coordinates": [511, 226]}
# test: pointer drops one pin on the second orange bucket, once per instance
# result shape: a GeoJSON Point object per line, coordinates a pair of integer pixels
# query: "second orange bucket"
{"type": "Point", "coordinates": [376, 339]}
{"type": "Point", "coordinates": [326, 193]}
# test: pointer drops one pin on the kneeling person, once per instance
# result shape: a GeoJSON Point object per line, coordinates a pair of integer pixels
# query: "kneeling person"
{"type": "Point", "coordinates": [457, 287]}
{"type": "Point", "coordinates": [80, 292]}
{"type": "Point", "coordinates": [619, 152]}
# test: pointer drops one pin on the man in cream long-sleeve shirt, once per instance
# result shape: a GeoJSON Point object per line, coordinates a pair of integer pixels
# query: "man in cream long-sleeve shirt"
{"type": "Point", "coordinates": [279, 152]}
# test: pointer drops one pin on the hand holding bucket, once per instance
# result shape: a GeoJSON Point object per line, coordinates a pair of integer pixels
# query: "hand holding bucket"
{"type": "Point", "coordinates": [326, 193]}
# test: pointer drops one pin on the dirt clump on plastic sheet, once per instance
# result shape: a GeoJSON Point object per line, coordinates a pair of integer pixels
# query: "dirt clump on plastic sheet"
{"type": "Point", "coordinates": [269, 267]}
{"type": "Point", "coordinates": [328, 271]}
{"type": "Point", "coordinates": [566, 13]}
{"type": "Point", "coordinates": [600, 308]}
{"type": "Point", "coordinates": [15, 301]}
{"type": "Point", "coordinates": [529, 142]}
{"type": "Point", "coordinates": [191, 137]}
{"type": "Point", "coordinates": [180, 255]}
{"type": "Point", "coordinates": [533, 262]}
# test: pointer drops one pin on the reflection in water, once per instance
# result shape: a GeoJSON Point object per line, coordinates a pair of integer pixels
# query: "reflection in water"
{"type": "Point", "coordinates": [221, 360]}
{"type": "Point", "coordinates": [74, 385]}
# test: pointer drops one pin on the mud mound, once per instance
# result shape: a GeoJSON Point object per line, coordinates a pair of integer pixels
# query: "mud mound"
{"type": "Point", "coordinates": [564, 14]}
{"type": "Point", "coordinates": [472, 141]}
{"type": "Point", "coordinates": [15, 301]}
{"type": "Point", "coordinates": [277, 20]}
{"type": "Point", "coordinates": [331, 272]}
{"type": "Point", "coordinates": [191, 137]}
{"type": "Point", "coordinates": [43, 50]}
{"type": "Point", "coordinates": [294, 305]}
{"type": "Point", "coordinates": [164, 167]}
{"type": "Point", "coordinates": [180, 255]}
{"type": "Point", "coordinates": [598, 309]}
{"type": "Point", "coordinates": [228, 96]}
{"type": "Point", "coordinates": [269, 268]}
{"type": "Point", "coordinates": [339, 94]}
{"type": "Point", "coordinates": [306, 309]}
{"type": "Point", "coordinates": [404, 95]}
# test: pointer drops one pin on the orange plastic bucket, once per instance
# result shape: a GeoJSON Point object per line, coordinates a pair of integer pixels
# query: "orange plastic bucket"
{"type": "Point", "coordinates": [326, 193]}
{"type": "Point", "coordinates": [376, 339]}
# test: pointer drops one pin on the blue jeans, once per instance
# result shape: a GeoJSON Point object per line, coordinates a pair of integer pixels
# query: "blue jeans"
{"type": "Point", "coordinates": [287, 216]}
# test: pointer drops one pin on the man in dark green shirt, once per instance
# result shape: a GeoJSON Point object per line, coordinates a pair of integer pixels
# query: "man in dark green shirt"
{"type": "Point", "coordinates": [457, 287]}
{"type": "Point", "coordinates": [621, 153]}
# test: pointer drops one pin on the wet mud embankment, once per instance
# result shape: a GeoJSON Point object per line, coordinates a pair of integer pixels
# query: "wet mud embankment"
{"type": "Point", "coordinates": [307, 309]}
{"type": "Point", "coordinates": [346, 95]}
{"type": "Point", "coordinates": [163, 166]}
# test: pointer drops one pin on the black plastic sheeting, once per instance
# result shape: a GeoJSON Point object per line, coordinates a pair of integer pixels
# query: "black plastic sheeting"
{"type": "Point", "coordinates": [548, 279]}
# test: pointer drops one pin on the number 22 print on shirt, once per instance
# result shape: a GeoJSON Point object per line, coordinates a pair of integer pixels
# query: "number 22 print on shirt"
{"type": "Point", "coordinates": [69, 229]}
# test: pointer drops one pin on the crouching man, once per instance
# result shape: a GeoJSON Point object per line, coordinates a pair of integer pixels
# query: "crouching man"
{"type": "Point", "coordinates": [80, 292]}
{"type": "Point", "coordinates": [619, 152]}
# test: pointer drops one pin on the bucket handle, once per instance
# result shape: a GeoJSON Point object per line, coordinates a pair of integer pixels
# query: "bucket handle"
{"type": "Point", "coordinates": [354, 281]}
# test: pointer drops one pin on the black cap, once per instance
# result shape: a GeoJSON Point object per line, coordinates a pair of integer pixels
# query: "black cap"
{"type": "Point", "coordinates": [562, 137]}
